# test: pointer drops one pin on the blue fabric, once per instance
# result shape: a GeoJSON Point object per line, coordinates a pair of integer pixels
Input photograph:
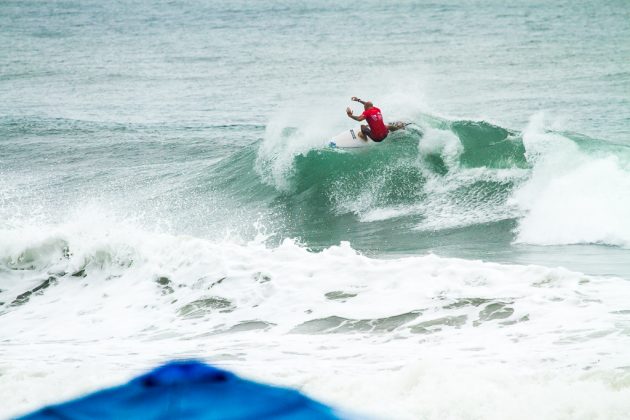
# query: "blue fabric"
{"type": "Point", "coordinates": [189, 390]}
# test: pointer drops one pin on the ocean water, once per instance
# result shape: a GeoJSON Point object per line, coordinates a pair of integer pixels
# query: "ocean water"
{"type": "Point", "coordinates": [166, 192]}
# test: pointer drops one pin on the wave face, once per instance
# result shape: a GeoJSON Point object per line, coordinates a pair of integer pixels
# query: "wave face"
{"type": "Point", "coordinates": [440, 177]}
{"type": "Point", "coordinates": [436, 185]}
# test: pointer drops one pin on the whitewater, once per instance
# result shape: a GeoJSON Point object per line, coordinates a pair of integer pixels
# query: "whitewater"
{"type": "Point", "coordinates": [166, 192]}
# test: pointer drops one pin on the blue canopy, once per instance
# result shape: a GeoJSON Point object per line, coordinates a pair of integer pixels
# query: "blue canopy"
{"type": "Point", "coordinates": [189, 390]}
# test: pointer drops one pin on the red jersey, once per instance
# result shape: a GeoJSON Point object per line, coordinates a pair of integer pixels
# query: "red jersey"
{"type": "Point", "coordinates": [374, 119]}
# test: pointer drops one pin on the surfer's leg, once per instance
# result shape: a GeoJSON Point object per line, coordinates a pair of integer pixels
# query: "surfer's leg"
{"type": "Point", "coordinates": [398, 125]}
{"type": "Point", "coordinates": [365, 133]}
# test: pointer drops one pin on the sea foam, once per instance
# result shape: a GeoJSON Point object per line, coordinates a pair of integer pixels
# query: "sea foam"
{"type": "Point", "coordinates": [572, 196]}
{"type": "Point", "coordinates": [482, 336]}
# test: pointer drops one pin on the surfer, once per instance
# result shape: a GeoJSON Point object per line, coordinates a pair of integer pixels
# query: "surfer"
{"type": "Point", "coordinates": [376, 129]}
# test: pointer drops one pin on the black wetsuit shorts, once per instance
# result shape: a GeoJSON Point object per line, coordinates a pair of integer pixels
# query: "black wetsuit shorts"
{"type": "Point", "coordinates": [365, 129]}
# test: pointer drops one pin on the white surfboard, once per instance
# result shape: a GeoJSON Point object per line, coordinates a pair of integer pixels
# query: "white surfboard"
{"type": "Point", "coordinates": [349, 139]}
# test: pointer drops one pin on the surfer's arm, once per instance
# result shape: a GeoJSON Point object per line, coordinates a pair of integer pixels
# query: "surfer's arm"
{"type": "Point", "coordinates": [354, 98]}
{"type": "Point", "coordinates": [359, 118]}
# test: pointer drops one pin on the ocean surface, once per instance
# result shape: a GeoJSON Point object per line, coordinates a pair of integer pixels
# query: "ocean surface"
{"type": "Point", "coordinates": [166, 191]}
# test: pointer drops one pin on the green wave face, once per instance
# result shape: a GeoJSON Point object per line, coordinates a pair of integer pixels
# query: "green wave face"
{"type": "Point", "coordinates": [440, 185]}
{"type": "Point", "coordinates": [487, 145]}
{"type": "Point", "coordinates": [400, 190]}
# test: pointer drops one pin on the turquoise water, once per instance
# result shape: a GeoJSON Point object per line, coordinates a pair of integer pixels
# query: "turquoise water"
{"type": "Point", "coordinates": [138, 138]}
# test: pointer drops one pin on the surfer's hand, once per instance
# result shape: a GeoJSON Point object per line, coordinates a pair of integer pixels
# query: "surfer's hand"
{"type": "Point", "coordinates": [354, 98]}
{"type": "Point", "coordinates": [349, 111]}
